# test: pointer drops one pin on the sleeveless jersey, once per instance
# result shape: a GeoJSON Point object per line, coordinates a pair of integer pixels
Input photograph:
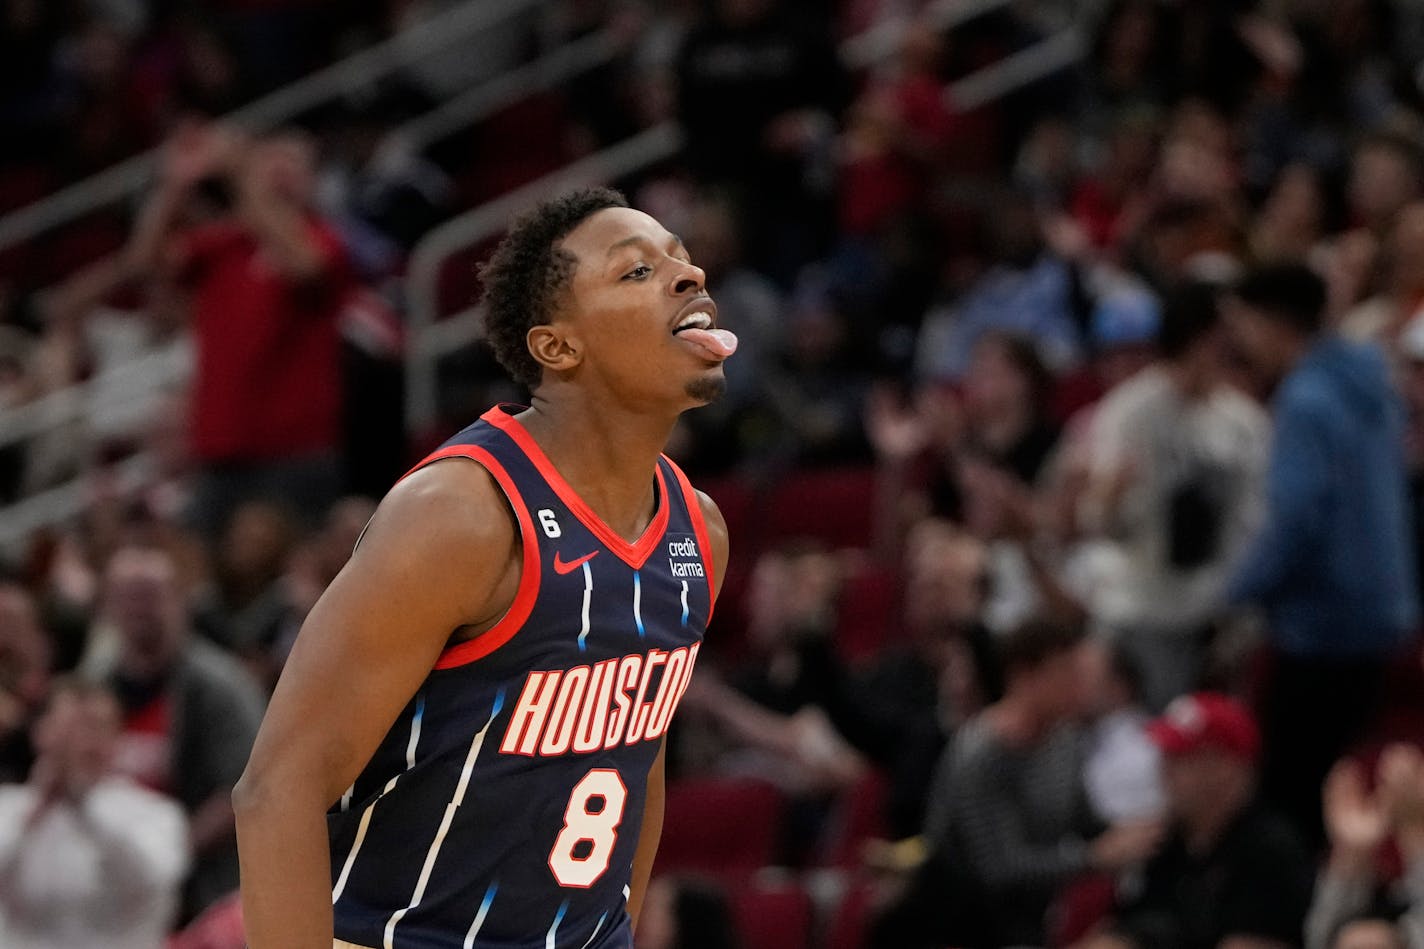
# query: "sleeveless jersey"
{"type": "Point", "coordinates": [503, 808]}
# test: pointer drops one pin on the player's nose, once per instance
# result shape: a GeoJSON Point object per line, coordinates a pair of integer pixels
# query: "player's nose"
{"type": "Point", "coordinates": [689, 278]}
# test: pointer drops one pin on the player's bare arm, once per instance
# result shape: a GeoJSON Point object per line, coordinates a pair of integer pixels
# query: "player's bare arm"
{"type": "Point", "coordinates": [440, 555]}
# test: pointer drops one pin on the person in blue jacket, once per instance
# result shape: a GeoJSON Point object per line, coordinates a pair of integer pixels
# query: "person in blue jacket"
{"type": "Point", "coordinates": [1332, 567]}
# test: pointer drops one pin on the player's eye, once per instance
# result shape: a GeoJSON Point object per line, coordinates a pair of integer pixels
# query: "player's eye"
{"type": "Point", "coordinates": [639, 272]}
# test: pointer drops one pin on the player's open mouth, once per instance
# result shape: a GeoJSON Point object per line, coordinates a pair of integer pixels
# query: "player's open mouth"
{"type": "Point", "coordinates": [697, 327]}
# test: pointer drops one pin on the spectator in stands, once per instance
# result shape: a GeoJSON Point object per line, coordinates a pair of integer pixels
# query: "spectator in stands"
{"type": "Point", "coordinates": [1353, 907]}
{"type": "Point", "coordinates": [1110, 202]}
{"type": "Point", "coordinates": [1176, 459]}
{"type": "Point", "coordinates": [1183, 240]}
{"type": "Point", "coordinates": [758, 93]}
{"type": "Point", "coordinates": [1382, 317]}
{"type": "Point", "coordinates": [248, 610]}
{"type": "Point", "coordinates": [1131, 55]}
{"type": "Point", "coordinates": [1122, 766]}
{"type": "Point", "coordinates": [899, 132]}
{"type": "Point", "coordinates": [1124, 331]}
{"type": "Point", "coordinates": [1025, 290]}
{"type": "Point", "coordinates": [1006, 392]}
{"type": "Point", "coordinates": [97, 98]}
{"type": "Point", "coordinates": [1332, 565]}
{"type": "Point", "coordinates": [1293, 220]}
{"type": "Point", "coordinates": [190, 712]}
{"type": "Point", "coordinates": [940, 671]}
{"type": "Point", "coordinates": [1230, 873]}
{"type": "Point", "coordinates": [87, 857]}
{"type": "Point", "coordinates": [777, 713]}
{"type": "Point", "coordinates": [1386, 173]}
{"type": "Point", "coordinates": [1008, 822]}
{"type": "Point", "coordinates": [380, 193]}
{"type": "Point", "coordinates": [267, 285]}
{"type": "Point", "coordinates": [25, 663]}
{"type": "Point", "coordinates": [315, 563]}
{"type": "Point", "coordinates": [812, 413]}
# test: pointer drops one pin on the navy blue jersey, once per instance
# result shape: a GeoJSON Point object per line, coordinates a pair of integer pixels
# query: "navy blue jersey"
{"type": "Point", "coordinates": [503, 808]}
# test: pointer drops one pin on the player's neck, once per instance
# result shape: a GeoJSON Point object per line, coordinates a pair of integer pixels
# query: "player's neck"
{"type": "Point", "coordinates": [606, 455]}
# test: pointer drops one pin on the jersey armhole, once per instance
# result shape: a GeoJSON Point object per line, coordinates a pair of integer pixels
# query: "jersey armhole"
{"type": "Point", "coordinates": [528, 591]}
{"type": "Point", "coordinates": [699, 528]}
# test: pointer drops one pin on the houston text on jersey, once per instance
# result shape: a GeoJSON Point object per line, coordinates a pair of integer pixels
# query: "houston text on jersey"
{"type": "Point", "coordinates": [599, 706]}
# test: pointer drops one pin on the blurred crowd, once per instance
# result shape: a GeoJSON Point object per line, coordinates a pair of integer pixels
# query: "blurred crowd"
{"type": "Point", "coordinates": [1073, 455]}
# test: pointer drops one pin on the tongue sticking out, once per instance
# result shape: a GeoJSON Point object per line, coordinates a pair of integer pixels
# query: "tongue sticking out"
{"type": "Point", "coordinates": [715, 344]}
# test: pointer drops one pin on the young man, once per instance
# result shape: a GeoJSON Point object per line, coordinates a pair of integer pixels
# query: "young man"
{"type": "Point", "coordinates": [1175, 490]}
{"type": "Point", "coordinates": [1007, 822]}
{"type": "Point", "coordinates": [1332, 566]}
{"type": "Point", "coordinates": [465, 747]}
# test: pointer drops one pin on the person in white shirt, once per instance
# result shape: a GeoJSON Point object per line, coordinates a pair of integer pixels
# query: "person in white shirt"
{"type": "Point", "coordinates": [87, 858]}
{"type": "Point", "coordinates": [1176, 490]}
{"type": "Point", "coordinates": [1122, 766]}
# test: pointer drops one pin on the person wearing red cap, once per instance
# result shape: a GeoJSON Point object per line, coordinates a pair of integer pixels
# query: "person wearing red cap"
{"type": "Point", "coordinates": [1231, 874]}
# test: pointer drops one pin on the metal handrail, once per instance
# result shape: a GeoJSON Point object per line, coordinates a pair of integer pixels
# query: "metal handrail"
{"type": "Point", "coordinates": [66, 500]}
{"type": "Point", "coordinates": [139, 376]}
{"type": "Point", "coordinates": [572, 59]}
{"type": "Point", "coordinates": [880, 42]}
{"type": "Point", "coordinates": [1016, 70]}
{"type": "Point", "coordinates": [355, 72]}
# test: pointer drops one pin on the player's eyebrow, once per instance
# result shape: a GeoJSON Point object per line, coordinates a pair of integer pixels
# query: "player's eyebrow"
{"type": "Point", "coordinates": [616, 246]}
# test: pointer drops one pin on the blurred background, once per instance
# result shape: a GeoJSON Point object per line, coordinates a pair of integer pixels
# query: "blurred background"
{"type": "Point", "coordinates": [1070, 457]}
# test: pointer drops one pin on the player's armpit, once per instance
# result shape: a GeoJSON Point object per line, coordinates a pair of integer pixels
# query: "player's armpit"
{"type": "Point", "coordinates": [441, 552]}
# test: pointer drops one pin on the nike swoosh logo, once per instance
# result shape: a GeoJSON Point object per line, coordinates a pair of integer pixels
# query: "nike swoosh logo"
{"type": "Point", "coordinates": [560, 567]}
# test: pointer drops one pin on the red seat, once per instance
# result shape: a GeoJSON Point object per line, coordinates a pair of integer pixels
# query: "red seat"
{"type": "Point", "coordinates": [1082, 905]}
{"type": "Point", "coordinates": [869, 601]}
{"type": "Point", "coordinates": [850, 919]}
{"type": "Point", "coordinates": [736, 500]}
{"type": "Point", "coordinates": [720, 826]}
{"type": "Point", "coordinates": [835, 506]}
{"type": "Point", "coordinates": [858, 816]}
{"type": "Point", "coordinates": [772, 915]}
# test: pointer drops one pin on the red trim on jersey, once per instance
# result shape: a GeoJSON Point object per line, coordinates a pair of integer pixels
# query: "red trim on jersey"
{"type": "Point", "coordinates": [635, 554]}
{"type": "Point", "coordinates": [699, 527]}
{"type": "Point", "coordinates": [524, 597]}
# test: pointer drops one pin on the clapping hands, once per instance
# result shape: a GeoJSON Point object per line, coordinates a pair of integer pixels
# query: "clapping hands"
{"type": "Point", "coordinates": [1359, 818]}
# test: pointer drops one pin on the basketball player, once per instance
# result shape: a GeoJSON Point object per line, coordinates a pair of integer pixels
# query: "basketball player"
{"type": "Point", "coordinates": [465, 749]}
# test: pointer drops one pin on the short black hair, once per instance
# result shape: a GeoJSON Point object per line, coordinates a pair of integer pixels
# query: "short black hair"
{"type": "Point", "coordinates": [1037, 640]}
{"type": "Point", "coordinates": [1290, 293]}
{"type": "Point", "coordinates": [1189, 313]}
{"type": "Point", "coordinates": [527, 271]}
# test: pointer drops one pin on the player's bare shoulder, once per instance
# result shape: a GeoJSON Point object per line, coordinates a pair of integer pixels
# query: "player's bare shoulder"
{"type": "Point", "coordinates": [449, 520]}
{"type": "Point", "coordinates": [716, 536]}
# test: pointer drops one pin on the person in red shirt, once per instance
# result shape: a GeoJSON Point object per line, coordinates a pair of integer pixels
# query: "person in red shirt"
{"type": "Point", "coordinates": [266, 283]}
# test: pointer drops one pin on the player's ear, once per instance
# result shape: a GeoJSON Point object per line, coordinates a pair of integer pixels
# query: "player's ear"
{"type": "Point", "coordinates": [553, 347]}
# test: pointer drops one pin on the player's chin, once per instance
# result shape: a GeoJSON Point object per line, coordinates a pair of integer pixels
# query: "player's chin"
{"type": "Point", "coordinates": [707, 387]}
